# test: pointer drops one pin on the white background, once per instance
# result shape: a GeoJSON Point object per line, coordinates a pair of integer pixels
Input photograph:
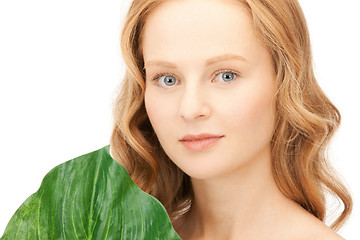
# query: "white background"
{"type": "Point", "coordinates": [60, 64]}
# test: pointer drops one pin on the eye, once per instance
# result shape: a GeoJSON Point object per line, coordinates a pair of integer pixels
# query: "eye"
{"type": "Point", "coordinates": [226, 76]}
{"type": "Point", "coordinates": [169, 80]}
{"type": "Point", "coordinates": [165, 79]}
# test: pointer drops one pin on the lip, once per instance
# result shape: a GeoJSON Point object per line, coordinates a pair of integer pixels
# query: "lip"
{"type": "Point", "coordinates": [191, 137]}
{"type": "Point", "coordinates": [200, 142]}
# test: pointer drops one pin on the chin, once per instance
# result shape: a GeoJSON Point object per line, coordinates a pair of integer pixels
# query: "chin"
{"type": "Point", "coordinates": [206, 171]}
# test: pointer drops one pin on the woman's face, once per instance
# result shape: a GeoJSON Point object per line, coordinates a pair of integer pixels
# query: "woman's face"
{"type": "Point", "coordinates": [207, 72]}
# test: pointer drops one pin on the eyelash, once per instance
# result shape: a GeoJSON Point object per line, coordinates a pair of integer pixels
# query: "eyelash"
{"type": "Point", "coordinates": [157, 76]}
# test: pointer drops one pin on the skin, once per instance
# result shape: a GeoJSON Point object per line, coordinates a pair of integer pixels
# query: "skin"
{"type": "Point", "coordinates": [235, 194]}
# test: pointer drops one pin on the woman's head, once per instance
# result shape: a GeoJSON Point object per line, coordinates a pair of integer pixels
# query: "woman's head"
{"type": "Point", "coordinates": [273, 105]}
{"type": "Point", "coordinates": [216, 77]}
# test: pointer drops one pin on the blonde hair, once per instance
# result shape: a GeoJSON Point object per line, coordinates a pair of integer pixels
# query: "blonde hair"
{"type": "Point", "coordinates": [306, 119]}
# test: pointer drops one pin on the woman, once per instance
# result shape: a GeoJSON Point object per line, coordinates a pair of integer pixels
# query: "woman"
{"type": "Point", "coordinates": [220, 118]}
{"type": "Point", "coordinates": [240, 71]}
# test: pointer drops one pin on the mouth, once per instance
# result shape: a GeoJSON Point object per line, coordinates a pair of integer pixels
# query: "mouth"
{"type": "Point", "coordinates": [200, 142]}
{"type": "Point", "coordinates": [203, 136]}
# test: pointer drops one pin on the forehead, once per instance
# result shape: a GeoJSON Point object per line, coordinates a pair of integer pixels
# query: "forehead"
{"type": "Point", "coordinates": [200, 27]}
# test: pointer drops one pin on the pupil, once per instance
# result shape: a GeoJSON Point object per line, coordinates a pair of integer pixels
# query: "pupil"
{"type": "Point", "coordinates": [228, 76]}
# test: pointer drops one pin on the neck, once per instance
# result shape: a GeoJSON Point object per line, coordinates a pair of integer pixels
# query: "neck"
{"type": "Point", "coordinates": [239, 200]}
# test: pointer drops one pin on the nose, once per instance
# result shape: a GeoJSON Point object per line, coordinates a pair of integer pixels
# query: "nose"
{"type": "Point", "coordinates": [194, 104]}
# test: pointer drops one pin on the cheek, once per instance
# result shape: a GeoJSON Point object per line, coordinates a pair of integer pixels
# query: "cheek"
{"type": "Point", "coordinates": [253, 116]}
{"type": "Point", "coordinates": [159, 112]}
{"type": "Point", "coordinates": [152, 107]}
{"type": "Point", "coordinates": [260, 109]}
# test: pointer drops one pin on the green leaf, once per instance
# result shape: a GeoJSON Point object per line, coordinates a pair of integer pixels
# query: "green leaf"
{"type": "Point", "coordinates": [90, 197]}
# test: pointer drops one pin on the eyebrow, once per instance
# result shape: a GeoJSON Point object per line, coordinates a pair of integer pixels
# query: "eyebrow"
{"type": "Point", "coordinates": [209, 62]}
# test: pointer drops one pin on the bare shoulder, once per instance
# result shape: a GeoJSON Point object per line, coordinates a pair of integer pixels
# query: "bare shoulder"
{"type": "Point", "coordinates": [321, 231]}
{"type": "Point", "coordinates": [307, 226]}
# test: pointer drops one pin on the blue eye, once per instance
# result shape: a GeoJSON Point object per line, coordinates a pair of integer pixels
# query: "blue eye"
{"type": "Point", "coordinates": [169, 80]}
{"type": "Point", "coordinates": [227, 76]}
{"type": "Point", "coordinates": [165, 80]}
